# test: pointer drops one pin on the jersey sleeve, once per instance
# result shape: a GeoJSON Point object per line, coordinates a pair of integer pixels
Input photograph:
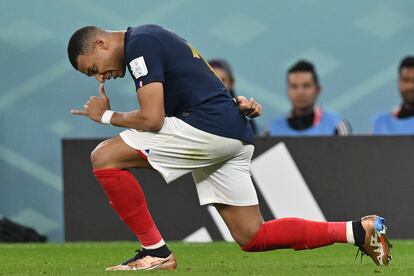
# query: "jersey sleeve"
{"type": "Point", "coordinates": [144, 60]}
{"type": "Point", "coordinates": [343, 128]}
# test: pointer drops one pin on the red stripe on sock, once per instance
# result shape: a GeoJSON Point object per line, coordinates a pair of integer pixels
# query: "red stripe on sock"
{"type": "Point", "coordinates": [297, 234]}
{"type": "Point", "coordinates": [127, 198]}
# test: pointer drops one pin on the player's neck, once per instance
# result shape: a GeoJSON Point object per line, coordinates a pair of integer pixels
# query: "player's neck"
{"type": "Point", "coordinates": [407, 110]}
{"type": "Point", "coordinates": [302, 112]}
{"type": "Point", "coordinates": [407, 106]}
{"type": "Point", "coordinates": [117, 39]}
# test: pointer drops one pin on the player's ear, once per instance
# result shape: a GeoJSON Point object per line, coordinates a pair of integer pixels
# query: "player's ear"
{"type": "Point", "coordinates": [318, 91]}
{"type": "Point", "coordinates": [100, 44]}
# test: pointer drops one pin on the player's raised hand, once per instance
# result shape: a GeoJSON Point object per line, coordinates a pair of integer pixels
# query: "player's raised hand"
{"type": "Point", "coordinates": [250, 107]}
{"type": "Point", "coordinates": [95, 106]}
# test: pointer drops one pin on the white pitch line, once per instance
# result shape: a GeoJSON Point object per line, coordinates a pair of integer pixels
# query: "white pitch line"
{"type": "Point", "coordinates": [34, 83]}
{"type": "Point", "coordinates": [31, 168]}
{"type": "Point", "coordinates": [363, 89]}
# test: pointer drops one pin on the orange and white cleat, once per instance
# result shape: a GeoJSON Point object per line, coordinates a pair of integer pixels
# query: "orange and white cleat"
{"type": "Point", "coordinates": [376, 243]}
{"type": "Point", "coordinates": [141, 261]}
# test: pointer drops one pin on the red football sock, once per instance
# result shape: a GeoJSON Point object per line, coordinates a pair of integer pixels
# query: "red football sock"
{"type": "Point", "coordinates": [127, 198]}
{"type": "Point", "coordinates": [297, 234]}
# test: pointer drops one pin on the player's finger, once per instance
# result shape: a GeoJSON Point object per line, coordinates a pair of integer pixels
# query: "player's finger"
{"type": "Point", "coordinates": [102, 90]}
{"type": "Point", "coordinates": [253, 105]}
{"type": "Point", "coordinates": [249, 112]}
{"type": "Point", "coordinates": [241, 99]}
{"type": "Point", "coordinates": [256, 112]}
{"type": "Point", "coordinates": [252, 101]}
{"type": "Point", "coordinates": [249, 104]}
{"type": "Point", "coordinates": [92, 97]}
{"type": "Point", "coordinates": [78, 112]}
{"type": "Point", "coordinates": [255, 109]}
{"type": "Point", "coordinates": [260, 110]}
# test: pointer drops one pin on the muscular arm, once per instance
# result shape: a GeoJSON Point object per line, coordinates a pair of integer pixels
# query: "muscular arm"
{"type": "Point", "coordinates": [150, 117]}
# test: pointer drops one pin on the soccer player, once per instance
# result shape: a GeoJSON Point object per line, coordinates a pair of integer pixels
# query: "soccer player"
{"type": "Point", "coordinates": [306, 118]}
{"type": "Point", "coordinates": [187, 122]}
{"type": "Point", "coordinates": [401, 120]}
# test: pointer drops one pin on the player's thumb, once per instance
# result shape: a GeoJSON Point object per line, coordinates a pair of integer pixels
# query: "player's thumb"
{"type": "Point", "coordinates": [102, 90]}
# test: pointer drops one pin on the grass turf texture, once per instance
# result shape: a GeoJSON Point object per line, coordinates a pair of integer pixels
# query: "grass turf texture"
{"type": "Point", "coordinates": [193, 259]}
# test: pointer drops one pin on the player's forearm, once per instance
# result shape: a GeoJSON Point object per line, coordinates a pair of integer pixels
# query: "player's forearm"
{"type": "Point", "coordinates": [137, 120]}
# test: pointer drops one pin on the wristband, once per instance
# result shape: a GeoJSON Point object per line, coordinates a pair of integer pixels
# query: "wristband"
{"type": "Point", "coordinates": [106, 117]}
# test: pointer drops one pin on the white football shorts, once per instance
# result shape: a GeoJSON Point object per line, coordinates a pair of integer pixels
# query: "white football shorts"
{"type": "Point", "coordinates": [220, 166]}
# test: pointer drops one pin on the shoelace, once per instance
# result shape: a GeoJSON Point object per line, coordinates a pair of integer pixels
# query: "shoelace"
{"type": "Point", "coordinates": [140, 254]}
{"type": "Point", "coordinates": [363, 253]}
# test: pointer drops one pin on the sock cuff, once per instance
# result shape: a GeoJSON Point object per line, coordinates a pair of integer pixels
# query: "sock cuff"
{"type": "Point", "coordinates": [107, 171]}
{"type": "Point", "coordinates": [359, 232]}
{"type": "Point", "coordinates": [350, 233]}
{"type": "Point", "coordinates": [161, 252]}
{"type": "Point", "coordinates": [154, 246]}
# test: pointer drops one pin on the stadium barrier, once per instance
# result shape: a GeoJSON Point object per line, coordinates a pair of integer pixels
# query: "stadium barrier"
{"type": "Point", "coordinates": [322, 178]}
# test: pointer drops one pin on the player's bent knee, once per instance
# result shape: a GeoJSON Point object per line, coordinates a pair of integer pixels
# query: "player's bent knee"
{"type": "Point", "coordinates": [100, 156]}
{"type": "Point", "coordinates": [250, 242]}
{"type": "Point", "coordinates": [246, 235]}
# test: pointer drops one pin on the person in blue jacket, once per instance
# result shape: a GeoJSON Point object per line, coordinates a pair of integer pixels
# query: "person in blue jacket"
{"type": "Point", "coordinates": [305, 118]}
{"type": "Point", "coordinates": [400, 121]}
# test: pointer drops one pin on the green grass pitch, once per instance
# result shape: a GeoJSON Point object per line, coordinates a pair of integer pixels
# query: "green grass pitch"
{"type": "Point", "coordinates": [218, 258]}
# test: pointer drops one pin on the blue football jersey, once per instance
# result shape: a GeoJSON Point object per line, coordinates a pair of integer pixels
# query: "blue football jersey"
{"type": "Point", "coordinates": [387, 123]}
{"type": "Point", "coordinates": [192, 90]}
{"type": "Point", "coordinates": [326, 124]}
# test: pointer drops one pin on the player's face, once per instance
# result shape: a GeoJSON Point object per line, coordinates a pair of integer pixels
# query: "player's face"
{"type": "Point", "coordinates": [225, 78]}
{"type": "Point", "coordinates": [302, 90]}
{"type": "Point", "coordinates": [102, 62]}
{"type": "Point", "coordinates": [406, 83]}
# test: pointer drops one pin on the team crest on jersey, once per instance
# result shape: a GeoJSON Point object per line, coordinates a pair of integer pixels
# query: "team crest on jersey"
{"type": "Point", "coordinates": [138, 67]}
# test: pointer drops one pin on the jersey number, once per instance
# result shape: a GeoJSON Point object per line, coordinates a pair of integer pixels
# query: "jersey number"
{"type": "Point", "coordinates": [196, 54]}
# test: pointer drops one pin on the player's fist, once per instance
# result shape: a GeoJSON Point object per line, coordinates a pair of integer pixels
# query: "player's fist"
{"type": "Point", "coordinates": [250, 107]}
{"type": "Point", "coordinates": [95, 106]}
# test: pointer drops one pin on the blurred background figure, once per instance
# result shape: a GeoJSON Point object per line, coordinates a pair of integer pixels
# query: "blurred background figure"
{"type": "Point", "coordinates": [401, 119]}
{"type": "Point", "coordinates": [225, 72]}
{"type": "Point", "coordinates": [11, 231]}
{"type": "Point", "coordinates": [305, 118]}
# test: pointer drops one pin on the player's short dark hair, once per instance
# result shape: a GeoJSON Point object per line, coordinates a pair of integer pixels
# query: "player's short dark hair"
{"type": "Point", "coordinates": [80, 43]}
{"type": "Point", "coordinates": [407, 62]}
{"type": "Point", "coordinates": [304, 66]}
